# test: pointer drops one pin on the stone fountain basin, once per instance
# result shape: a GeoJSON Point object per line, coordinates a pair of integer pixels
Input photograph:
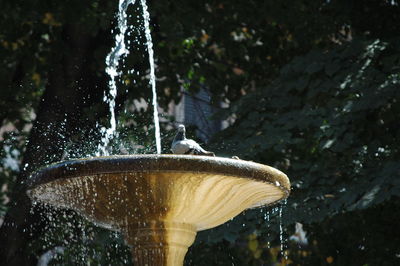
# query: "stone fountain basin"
{"type": "Point", "coordinates": [199, 190]}
{"type": "Point", "coordinates": [158, 202]}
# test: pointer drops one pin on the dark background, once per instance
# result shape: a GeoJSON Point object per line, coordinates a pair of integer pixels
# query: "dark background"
{"type": "Point", "coordinates": [312, 88]}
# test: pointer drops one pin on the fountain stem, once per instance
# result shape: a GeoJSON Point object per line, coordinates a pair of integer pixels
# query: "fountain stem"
{"type": "Point", "coordinates": [158, 243]}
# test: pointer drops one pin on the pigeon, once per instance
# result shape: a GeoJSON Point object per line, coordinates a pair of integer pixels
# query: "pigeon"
{"type": "Point", "coordinates": [182, 145]}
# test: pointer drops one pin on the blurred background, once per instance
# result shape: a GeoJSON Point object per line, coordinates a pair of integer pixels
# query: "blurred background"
{"type": "Point", "coordinates": [309, 87]}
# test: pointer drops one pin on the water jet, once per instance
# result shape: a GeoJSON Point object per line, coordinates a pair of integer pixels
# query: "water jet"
{"type": "Point", "coordinates": [158, 202]}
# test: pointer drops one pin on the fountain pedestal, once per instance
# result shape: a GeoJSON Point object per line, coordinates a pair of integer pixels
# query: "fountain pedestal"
{"type": "Point", "coordinates": [160, 243]}
{"type": "Point", "coordinates": [158, 202]}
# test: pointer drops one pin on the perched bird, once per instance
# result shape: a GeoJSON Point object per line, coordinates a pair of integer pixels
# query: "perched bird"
{"type": "Point", "coordinates": [182, 145]}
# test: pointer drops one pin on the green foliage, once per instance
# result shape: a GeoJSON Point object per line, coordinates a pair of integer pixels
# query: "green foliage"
{"type": "Point", "coordinates": [230, 48]}
{"type": "Point", "coordinates": [362, 237]}
{"type": "Point", "coordinates": [330, 122]}
{"type": "Point", "coordinates": [10, 155]}
{"type": "Point", "coordinates": [312, 86]}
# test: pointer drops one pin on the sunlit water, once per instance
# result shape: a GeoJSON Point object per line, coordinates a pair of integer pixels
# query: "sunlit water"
{"type": "Point", "coordinates": [267, 220]}
{"type": "Point", "coordinates": [118, 52]}
{"type": "Point", "coordinates": [112, 61]}
{"type": "Point", "coordinates": [276, 212]}
{"type": "Point", "coordinates": [282, 239]}
{"type": "Point", "coordinates": [80, 245]}
{"type": "Point", "coordinates": [149, 43]}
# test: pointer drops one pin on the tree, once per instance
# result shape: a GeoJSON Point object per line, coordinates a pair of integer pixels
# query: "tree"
{"type": "Point", "coordinates": [70, 87]}
{"type": "Point", "coordinates": [330, 121]}
{"type": "Point", "coordinates": [312, 88]}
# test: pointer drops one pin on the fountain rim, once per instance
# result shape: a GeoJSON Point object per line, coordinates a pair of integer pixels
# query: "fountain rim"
{"type": "Point", "coordinates": [160, 163]}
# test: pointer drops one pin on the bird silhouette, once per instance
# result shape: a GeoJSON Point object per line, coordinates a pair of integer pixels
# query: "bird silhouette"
{"type": "Point", "coordinates": [182, 145]}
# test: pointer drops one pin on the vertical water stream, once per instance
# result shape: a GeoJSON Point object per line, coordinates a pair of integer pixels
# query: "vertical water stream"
{"type": "Point", "coordinates": [282, 239]}
{"type": "Point", "coordinates": [146, 19]}
{"type": "Point", "coordinates": [119, 51]}
{"type": "Point", "coordinates": [112, 62]}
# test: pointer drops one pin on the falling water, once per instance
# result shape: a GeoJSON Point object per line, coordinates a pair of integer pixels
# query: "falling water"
{"type": "Point", "coordinates": [146, 18]}
{"type": "Point", "coordinates": [282, 240]}
{"type": "Point", "coordinates": [112, 60]}
{"type": "Point", "coordinates": [281, 229]}
{"type": "Point", "coordinates": [266, 218]}
{"type": "Point", "coordinates": [117, 52]}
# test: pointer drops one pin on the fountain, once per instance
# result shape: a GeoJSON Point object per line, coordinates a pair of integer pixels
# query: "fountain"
{"type": "Point", "coordinates": [158, 202]}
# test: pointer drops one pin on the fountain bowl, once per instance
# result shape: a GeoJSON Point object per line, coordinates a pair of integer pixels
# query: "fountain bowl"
{"type": "Point", "coordinates": [158, 202]}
